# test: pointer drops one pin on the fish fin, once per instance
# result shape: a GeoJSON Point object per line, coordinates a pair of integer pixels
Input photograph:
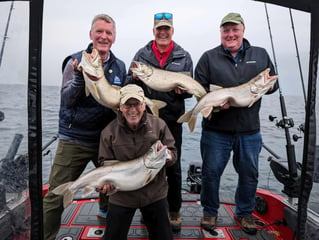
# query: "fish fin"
{"type": "Point", "coordinates": [60, 190]}
{"type": "Point", "coordinates": [116, 86]}
{"type": "Point", "coordinates": [87, 91]}
{"type": "Point", "coordinates": [68, 198]}
{"type": "Point", "coordinates": [148, 178]}
{"type": "Point", "coordinates": [182, 88]}
{"type": "Point", "coordinates": [64, 190]}
{"type": "Point", "coordinates": [156, 106]}
{"type": "Point", "coordinates": [110, 162]}
{"type": "Point", "coordinates": [251, 103]}
{"type": "Point", "coordinates": [160, 104]}
{"type": "Point", "coordinates": [185, 117]}
{"type": "Point", "coordinates": [185, 73]}
{"type": "Point", "coordinates": [213, 87]}
{"type": "Point", "coordinates": [87, 191]}
{"type": "Point", "coordinates": [206, 111]}
{"type": "Point", "coordinates": [96, 91]}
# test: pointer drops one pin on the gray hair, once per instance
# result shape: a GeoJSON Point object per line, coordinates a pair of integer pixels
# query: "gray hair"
{"type": "Point", "coordinates": [105, 18]}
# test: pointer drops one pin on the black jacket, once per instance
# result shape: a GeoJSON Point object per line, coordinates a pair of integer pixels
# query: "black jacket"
{"type": "Point", "coordinates": [216, 66]}
{"type": "Point", "coordinates": [178, 61]}
{"type": "Point", "coordinates": [81, 118]}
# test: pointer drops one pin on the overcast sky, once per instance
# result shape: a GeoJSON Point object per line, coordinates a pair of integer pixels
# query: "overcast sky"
{"type": "Point", "coordinates": [66, 27]}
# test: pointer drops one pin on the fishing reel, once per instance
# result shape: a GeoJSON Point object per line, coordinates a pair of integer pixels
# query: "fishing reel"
{"type": "Point", "coordinates": [194, 177]}
{"type": "Point", "coordinates": [283, 123]}
{"type": "Point", "coordinates": [301, 129]}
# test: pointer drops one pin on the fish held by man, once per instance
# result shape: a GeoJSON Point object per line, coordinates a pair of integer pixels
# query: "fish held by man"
{"type": "Point", "coordinates": [165, 81]}
{"type": "Point", "coordinates": [95, 81]}
{"type": "Point", "coordinates": [123, 175]}
{"type": "Point", "coordinates": [244, 95]}
{"type": "Point", "coordinates": [103, 92]}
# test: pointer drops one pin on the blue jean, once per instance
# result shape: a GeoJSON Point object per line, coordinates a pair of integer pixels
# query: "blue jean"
{"type": "Point", "coordinates": [215, 150]}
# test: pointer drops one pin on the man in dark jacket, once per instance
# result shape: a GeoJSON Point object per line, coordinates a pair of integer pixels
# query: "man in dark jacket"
{"type": "Point", "coordinates": [81, 120]}
{"type": "Point", "coordinates": [232, 129]}
{"type": "Point", "coordinates": [126, 138]}
{"type": "Point", "coordinates": [164, 53]}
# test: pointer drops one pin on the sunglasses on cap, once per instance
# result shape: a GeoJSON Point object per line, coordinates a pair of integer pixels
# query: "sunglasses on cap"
{"type": "Point", "coordinates": [159, 16]}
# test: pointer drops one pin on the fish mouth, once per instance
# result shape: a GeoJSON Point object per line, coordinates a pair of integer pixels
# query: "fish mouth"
{"type": "Point", "coordinates": [141, 69]}
{"type": "Point", "coordinates": [93, 78]}
{"type": "Point", "coordinates": [91, 57]}
{"type": "Point", "coordinates": [136, 67]}
{"type": "Point", "coordinates": [135, 64]}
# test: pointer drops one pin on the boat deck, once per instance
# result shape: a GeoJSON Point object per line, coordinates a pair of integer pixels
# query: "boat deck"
{"type": "Point", "coordinates": [79, 221]}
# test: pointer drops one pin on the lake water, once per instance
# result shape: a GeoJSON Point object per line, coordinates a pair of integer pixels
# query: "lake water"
{"type": "Point", "coordinates": [13, 102]}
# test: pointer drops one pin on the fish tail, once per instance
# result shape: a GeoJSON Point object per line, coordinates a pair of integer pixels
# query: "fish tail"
{"type": "Point", "coordinates": [154, 109]}
{"type": "Point", "coordinates": [64, 190]}
{"type": "Point", "coordinates": [198, 98]}
{"type": "Point", "coordinates": [192, 123]}
{"type": "Point", "coordinates": [188, 117]}
{"type": "Point", "coordinates": [185, 117]}
{"type": "Point", "coordinates": [67, 198]}
{"type": "Point", "coordinates": [156, 106]}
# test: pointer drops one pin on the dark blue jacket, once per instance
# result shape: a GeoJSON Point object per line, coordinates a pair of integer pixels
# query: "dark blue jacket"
{"type": "Point", "coordinates": [217, 67]}
{"type": "Point", "coordinates": [178, 61]}
{"type": "Point", "coordinates": [81, 118]}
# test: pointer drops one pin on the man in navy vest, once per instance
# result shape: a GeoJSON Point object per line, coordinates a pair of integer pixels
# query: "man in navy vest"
{"type": "Point", "coordinates": [81, 120]}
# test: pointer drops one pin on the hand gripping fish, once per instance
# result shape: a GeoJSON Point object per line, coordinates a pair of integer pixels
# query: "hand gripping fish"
{"type": "Point", "coordinates": [165, 81]}
{"type": "Point", "coordinates": [123, 175]}
{"type": "Point", "coordinates": [103, 92]}
{"type": "Point", "coordinates": [244, 95]}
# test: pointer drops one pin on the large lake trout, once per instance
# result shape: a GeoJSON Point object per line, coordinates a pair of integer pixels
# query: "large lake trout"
{"type": "Point", "coordinates": [244, 95]}
{"type": "Point", "coordinates": [165, 81]}
{"type": "Point", "coordinates": [103, 92]}
{"type": "Point", "coordinates": [123, 175]}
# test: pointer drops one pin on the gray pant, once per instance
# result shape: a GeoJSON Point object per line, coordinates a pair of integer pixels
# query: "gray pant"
{"type": "Point", "coordinates": [69, 163]}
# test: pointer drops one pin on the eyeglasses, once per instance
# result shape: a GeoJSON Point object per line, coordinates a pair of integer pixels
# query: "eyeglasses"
{"type": "Point", "coordinates": [159, 16]}
{"type": "Point", "coordinates": [127, 106]}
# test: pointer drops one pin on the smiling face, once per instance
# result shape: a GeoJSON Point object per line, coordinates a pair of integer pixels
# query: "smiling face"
{"type": "Point", "coordinates": [163, 36]}
{"type": "Point", "coordinates": [102, 35]}
{"type": "Point", "coordinates": [132, 111]}
{"type": "Point", "coordinates": [232, 36]}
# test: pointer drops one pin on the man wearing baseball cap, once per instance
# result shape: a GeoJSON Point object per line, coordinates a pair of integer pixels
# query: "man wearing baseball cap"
{"type": "Point", "coordinates": [232, 18]}
{"type": "Point", "coordinates": [128, 137]}
{"type": "Point", "coordinates": [164, 53]}
{"type": "Point", "coordinates": [232, 129]}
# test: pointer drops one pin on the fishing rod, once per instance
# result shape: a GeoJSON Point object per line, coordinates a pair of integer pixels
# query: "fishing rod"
{"type": "Point", "coordinates": [298, 58]}
{"type": "Point", "coordinates": [284, 123]}
{"type": "Point", "coordinates": [5, 33]}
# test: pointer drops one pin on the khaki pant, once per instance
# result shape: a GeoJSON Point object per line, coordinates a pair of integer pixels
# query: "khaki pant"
{"type": "Point", "coordinates": [69, 163]}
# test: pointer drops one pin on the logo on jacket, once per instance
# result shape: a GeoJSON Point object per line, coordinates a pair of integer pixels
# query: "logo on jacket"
{"type": "Point", "coordinates": [117, 81]}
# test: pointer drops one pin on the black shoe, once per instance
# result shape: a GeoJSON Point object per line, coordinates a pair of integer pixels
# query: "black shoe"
{"type": "Point", "coordinates": [247, 224]}
{"type": "Point", "coordinates": [208, 223]}
{"type": "Point", "coordinates": [175, 221]}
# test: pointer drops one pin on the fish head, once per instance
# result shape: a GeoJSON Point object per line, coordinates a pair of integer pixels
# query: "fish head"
{"type": "Point", "coordinates": [141, 70]}
{"type": "Point", "coordinates": [262, 82]}
{"type": "Point", "coordinates": [91, 65]}
{"type": "Point", "coordinates": [156, 156]}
